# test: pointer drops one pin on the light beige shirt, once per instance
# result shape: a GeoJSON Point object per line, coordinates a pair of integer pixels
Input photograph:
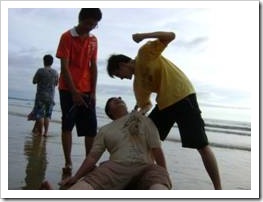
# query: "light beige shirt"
{"type": "Point", "coordinates": [129, 139]}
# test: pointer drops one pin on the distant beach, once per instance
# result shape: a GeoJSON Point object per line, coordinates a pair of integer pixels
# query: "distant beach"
{"type": "Point", "coordinates": [33, 159]}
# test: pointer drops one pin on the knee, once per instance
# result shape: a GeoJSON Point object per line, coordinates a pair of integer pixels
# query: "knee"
{"type": "Point", "coordinates": [81, 185]}
{"type": "Point", "coordinates": [204, 150]}
{"type": "Point", "coordinates": [158, 187]}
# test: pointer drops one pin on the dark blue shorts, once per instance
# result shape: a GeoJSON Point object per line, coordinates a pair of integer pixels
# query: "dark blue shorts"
{"type": "Point", "coordinates": [42, 109]}
{"type": "Point", "coordinates": [187, 115]}
{"type": "Point", "coordinates": [84, 118]}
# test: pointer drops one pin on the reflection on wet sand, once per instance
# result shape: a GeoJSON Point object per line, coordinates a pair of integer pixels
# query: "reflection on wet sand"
{"type": "Point", "coordinates": [35, 152]}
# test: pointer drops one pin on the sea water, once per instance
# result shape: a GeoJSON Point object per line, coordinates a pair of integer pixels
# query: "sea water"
{"type": "Point", "coordinates": [223, 112]}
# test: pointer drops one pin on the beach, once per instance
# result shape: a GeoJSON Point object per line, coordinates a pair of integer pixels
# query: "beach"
{"type": "Point", "coordinates": [32, 159]}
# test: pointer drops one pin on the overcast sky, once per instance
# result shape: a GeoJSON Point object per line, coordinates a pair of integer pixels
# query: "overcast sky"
{"type": "Point", "coordinates": [216, 43]}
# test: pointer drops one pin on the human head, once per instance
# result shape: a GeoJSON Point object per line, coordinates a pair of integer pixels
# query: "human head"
{"type": "Point", "coordinates": [118, 65]}
{"type": "Point", "coordinates": [48, 60]}
{"type": "Point", "coordinates": [115, 108]}
{"type": "Point", "coordinates": [89, 18]}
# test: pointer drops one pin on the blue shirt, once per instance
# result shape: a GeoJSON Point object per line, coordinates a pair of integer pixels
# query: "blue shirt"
{"type": "Point", "coordinates": [46, 80]}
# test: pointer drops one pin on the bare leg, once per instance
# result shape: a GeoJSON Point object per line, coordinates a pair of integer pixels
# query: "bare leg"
{"type": "Point", "coordinates": [210, 164]}
{"type": "Point", "coordinates": [46, 186]}
{"type": "Point", "coordinates": [67, 145]}
{"type": "Point", "coordinates": [158, 187]}
{"type": "Point", "coordinates": [34, 130]}
{"type": "Point", "coordinates": [46, 125]}
{"type": "Point", "coordinates": [39, 126]}
{"type": "Point", "coordinates": [88, 144]}
{"type": "Point", "coordinates": [81, 185]}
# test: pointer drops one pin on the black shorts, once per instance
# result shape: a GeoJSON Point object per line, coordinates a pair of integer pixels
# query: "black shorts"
{"type": "Point", "coordinates": [84, 118]}
{"type": "Point", "coordinates": [187, 115]}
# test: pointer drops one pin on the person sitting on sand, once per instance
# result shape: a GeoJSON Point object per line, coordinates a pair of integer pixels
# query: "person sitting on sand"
{"type": "Point", "coordinates": [135, 151]}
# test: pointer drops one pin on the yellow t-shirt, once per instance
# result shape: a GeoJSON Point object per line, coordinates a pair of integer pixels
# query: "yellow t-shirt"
{"type": "Point", "coordinates": [155, 73]}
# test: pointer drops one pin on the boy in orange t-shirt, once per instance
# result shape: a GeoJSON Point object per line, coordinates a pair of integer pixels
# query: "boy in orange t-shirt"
{"type": "Point", "coordinates": [77, 52]}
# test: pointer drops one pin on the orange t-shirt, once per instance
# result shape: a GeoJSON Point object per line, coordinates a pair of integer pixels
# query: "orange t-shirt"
{"type": "Point", "coordinates": [80, 53]}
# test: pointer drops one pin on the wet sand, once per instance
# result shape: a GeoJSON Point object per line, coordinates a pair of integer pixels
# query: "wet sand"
{"type": "Point", "coordinates": [32, 159]}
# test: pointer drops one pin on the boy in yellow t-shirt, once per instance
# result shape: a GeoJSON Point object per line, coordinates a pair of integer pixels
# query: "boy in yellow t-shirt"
{"type": "Point", "coordinates": [176, 97]}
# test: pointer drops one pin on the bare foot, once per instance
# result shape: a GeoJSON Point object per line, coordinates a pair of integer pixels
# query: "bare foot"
{"type": "Point", "coordinates": [45, 185]}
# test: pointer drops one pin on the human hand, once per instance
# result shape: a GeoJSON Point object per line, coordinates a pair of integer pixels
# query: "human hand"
{"type": "Point", "coordinates": [142, 110]}
{"type": "Point", "coordinates": [145, 109]}
{"type": "Point", "coordinates": [78, 99]}
{"type": "Point", "coordinates": [67, 182]}
{"type": "Point", "coordinates": [92, 99]}
{"type": "Point", "coordinates": [137, 37]}
{"type": "Point", "coordinates": [135, 108]}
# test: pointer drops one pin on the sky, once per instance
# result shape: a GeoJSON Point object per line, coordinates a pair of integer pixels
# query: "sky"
{"type": "Point", "coordinates": [40, 30]}
{"type": "Point", "coordinates": [213, 42]}
{"type": "Point", "coordinates": [216, 45]}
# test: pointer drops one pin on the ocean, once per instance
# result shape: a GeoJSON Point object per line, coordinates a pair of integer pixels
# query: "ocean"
{"type": "Point", "coordinates": [228, 124]}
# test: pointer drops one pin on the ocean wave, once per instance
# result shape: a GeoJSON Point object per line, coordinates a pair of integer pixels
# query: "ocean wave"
{"type": "Point", "coordinates": [225, 126]}
{"type": "Point", "coordinates": [223, 134]}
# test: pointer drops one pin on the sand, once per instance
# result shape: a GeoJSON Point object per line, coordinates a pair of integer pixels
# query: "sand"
{"type": "Point", "coordinates": [33, 159]}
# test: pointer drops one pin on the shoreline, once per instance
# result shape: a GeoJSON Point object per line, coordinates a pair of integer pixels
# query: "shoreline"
{"type": "Point", "coordinates": [242, 126]}
{"type": "Point", "coordinates": [221, 133]}
{"type": "Point", "coordinates": [184, 165]}
{"type": "Point", "coordinates": [225, 143]}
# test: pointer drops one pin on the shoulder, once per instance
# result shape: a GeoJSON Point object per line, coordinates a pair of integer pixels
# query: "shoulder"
{"type": "Point", "coordinates": [103, 130]}
{"type": "Point", "coordinates": [105, 127]}
{"type": "Point", "coordinates": [115, 124]}
{"type": "Point", "coordinates": [39, 70]}
{"type": "Point", "coordinates": [153, 44]}
{"type": "Point", "coordinates": [93, 40]}
{"type": "Point", "coordinates": [66, 35]}
{"type": "Point", "coordinates": [54, 72]}
{"type": "Point", "coordinates": [151, 50]}
{"type": "Point", "coordinates": [92, 37]}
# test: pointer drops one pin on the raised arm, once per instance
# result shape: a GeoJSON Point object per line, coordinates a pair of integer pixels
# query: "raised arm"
{"type": "Point", "coordinates": [164, 37]}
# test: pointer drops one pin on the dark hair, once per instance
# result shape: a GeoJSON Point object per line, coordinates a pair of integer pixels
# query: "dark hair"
{"type": "Point", "coordinates": [48, 60]}
{"type": "Point", "coordinates": [94, 13]}
{"type": "Point", "coordinates": [107, 107]}
{"type": "Point", "coordinates": [113, 63]}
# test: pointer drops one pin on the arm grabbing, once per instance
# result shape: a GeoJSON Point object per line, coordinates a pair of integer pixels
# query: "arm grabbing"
{"type": "Point", "coordinates": [144, 109]}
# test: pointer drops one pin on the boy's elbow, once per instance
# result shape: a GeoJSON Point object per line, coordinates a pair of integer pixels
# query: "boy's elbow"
{"type": "Point", "coordinates": [172, 36]}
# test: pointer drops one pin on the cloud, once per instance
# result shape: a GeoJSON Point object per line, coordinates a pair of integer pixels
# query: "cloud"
{"type": "Point", "coordinates": [200, 36]}
{"type": "Point", "coordinates": [198, 43]}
